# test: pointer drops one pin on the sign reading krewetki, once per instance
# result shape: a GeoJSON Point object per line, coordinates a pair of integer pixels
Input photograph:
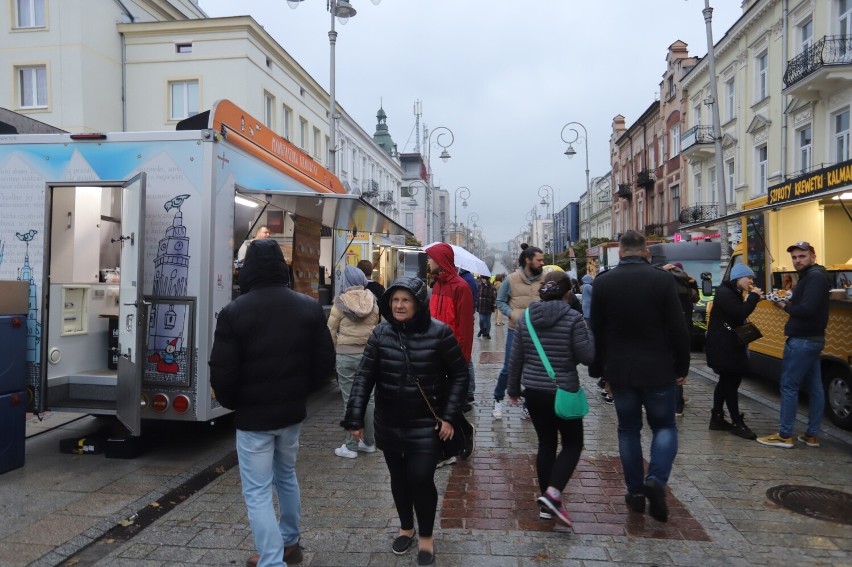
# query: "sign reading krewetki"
{"type": "Point", "coordinates": [819, 181]}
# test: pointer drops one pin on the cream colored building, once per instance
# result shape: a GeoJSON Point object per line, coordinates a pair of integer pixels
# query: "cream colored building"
{"type": "Point", "coordinates": [147, 64]}
{"type": "Point", "coordinates": [785, 88]}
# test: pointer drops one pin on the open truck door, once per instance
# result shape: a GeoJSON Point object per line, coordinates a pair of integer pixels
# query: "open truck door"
{"type": "Point", "coordinates": [133, 310]}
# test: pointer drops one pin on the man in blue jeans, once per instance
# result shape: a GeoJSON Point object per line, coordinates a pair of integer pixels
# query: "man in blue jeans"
{"type": "Point", "coordinates": [805, 330]}
{"type": "Point", "coordinates": [642, 347]}
{"type": "Point", "coordinates": [270, 347]}
{"type": "Point", "coordinates": [516, 293]}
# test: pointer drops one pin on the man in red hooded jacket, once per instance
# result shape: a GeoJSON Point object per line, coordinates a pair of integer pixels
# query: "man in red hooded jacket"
{"type": "Point", "coordinates": [452, 303]}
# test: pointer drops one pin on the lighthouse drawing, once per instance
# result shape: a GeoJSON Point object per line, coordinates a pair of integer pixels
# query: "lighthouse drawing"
{"type": "Point", "coordinates": [168, 319]}
{"type": "Point", "coordinates": [25, 274]}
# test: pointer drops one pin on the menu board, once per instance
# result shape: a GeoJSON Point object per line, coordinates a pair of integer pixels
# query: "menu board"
{"type": "Point", "coordinates": [756, 248]}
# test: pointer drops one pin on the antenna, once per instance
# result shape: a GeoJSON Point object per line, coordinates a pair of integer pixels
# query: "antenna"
{"type": "Point", "coordinates": [418, 112]}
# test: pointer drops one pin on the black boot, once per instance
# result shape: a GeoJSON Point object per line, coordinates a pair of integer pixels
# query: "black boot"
{"type": "Point", "coordinates": [718, 422]}
{"type": "Point", "coordinates": [740, 429]}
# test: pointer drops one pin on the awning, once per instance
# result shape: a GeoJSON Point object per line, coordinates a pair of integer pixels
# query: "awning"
{"type": "Point", "coordinates": [761, 209]}
{"type": "Point", "coordinates": [336, 211]}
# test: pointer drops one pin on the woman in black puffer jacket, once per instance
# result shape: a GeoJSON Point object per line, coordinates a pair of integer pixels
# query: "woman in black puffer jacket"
{"type": "Point", "coordinates": [566, 342]}
{"type": "Point", "coordinates": [406, 348]}
{"type": "Point", "coordinates": [725, 355]}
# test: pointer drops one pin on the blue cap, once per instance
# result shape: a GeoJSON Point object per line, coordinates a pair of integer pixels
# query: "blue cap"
{"type": "Point", "coordinates": [741, 271]}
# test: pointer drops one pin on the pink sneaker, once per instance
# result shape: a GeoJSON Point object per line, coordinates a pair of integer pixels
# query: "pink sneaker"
{"type": "Point", "coordinates": [556, 507]}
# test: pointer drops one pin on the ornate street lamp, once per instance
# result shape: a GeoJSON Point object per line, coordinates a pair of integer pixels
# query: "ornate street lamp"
{"type": "Point", "coordinates": [571, 152]}
{"type": "Point", "coordinates": [442, 132]}
{"type": "Point", "coordinates": [462, 193]}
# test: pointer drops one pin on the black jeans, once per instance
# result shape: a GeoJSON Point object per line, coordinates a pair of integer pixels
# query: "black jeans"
{"type": "Point", "coordinates": [553, 470]}
{"type": "Point", "coordinates": [726, 392]}
{"type": "Point", "coordinates": [413, 488]}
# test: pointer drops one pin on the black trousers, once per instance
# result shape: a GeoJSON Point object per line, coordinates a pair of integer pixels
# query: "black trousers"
{"type": "Point", "coordinates": [727, 393]}
{"type": "Point", "coordinates": [413, 487]}
{"type": "Point", "coordinates": [553, 470]}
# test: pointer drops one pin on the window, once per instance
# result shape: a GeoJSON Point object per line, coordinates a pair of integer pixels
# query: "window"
{"type": "Point", "coordinates": [652, 153]}
{"type": "Point", "coordinates": [670, 88]}
{"type": "Point", "coordinates": [662, 149]}
{"type": "Point", "coordinates": [184, 99]}
{"type": "Point", "coordinates": [288, 121]}
{"type": "Point", "coordinates": [804, 140]}
{"type": "Point", "coordinates": [730, 100]}
{"type": "Point", "coordinates": [269, 111]}
{"type": "Point", "coordinates": [675, 201]}
{"type": "Point", "coordinates": [30, 13]}
{"type": "Point", "coordinates": [303, 133]}
{"type": "Point", "coordinates": [183, 48]}
{"type": "Point", "coordinates": [762, 65]}
{"type": "Point", "coordinates": [696, 114]}
{"type": "Point", "coordinates": [409, 221]}
{"type": "Point", "coordinates": [317, 142]}
{"type": "Point", "coordinates": [729, 181]}
{"type": "Point", "coordinates": [696, 181]}
{"type": "Point", "coordinates": [844, 13]}
{"type": "Point", "coordinates": [806, 35]}
{"type": "Point", "coordinates": [760, 158]}
{"type": "Point", "coordinates": [33, 86]}
{"type": "Point", "coordinates": [711, 180]}
{"type": "Point", "coordinates": [841, 136]}
{"type": "Point", "coordinates": [675, 143]}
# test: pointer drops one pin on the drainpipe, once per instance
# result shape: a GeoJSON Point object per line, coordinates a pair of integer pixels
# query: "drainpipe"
{"type": "Point", "coordinates": [786, 98]}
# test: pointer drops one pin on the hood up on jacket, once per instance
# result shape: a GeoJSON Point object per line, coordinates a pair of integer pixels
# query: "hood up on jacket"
{"type": "Point", "coordinates": [443, 254]}
{"type": "Point", "coordinates": [588, 279]}
{"type": "Point", "coordinates": [352, 276]}
{"type": "Point", "coordinates": [417, 287]}
{"type": "Point", "coordinates": [264, 265]}
{"type": "Point", "coordinates": [545, 314]}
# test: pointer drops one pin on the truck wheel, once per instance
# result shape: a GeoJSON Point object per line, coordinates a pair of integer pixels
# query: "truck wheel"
{"type": "Point", "coordinates": [838, 396]}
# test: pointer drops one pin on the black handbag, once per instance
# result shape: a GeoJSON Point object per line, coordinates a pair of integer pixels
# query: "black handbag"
{"type": "Point", "coordinates": [745, 333]}
{"type": "Point", "coordinates": [462, 442]}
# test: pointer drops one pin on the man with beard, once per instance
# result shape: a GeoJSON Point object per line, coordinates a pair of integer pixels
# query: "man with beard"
{"type": "Point", "coordinates": [515, 294]}
{"type": "Point", "coordinates": [805, 330]}
{"type": "Point", "coordinates": [451, 303]}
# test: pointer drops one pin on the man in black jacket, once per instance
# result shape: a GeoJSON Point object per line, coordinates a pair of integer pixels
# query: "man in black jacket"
{"type": "Point", "coordinates": [271, 346]}
{"type": "Point", "coordinates": [805, 330]}
{"type": "Point", "coordinates": [642, 347]}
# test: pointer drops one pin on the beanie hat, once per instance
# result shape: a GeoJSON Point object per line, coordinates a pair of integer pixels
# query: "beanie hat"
{"type": "Point", "coordinates": [741, 271]}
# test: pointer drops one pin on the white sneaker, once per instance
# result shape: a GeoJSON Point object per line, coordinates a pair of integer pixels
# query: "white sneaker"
{"type": "Point", "coordinates": [343, 451]}
{"type": "Point", "coordinates": [498, 410]}
{"type": "Point", "coordinates": [450, 461]}
{"type": "Point", "coordinates": [364, 448]}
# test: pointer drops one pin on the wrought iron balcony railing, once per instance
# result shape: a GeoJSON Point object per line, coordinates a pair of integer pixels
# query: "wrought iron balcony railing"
{"type": "Point", "coordinates": [625, 191]}
{"type": "Point", "coordinates": [830, 50]}
{"type": "Point", "coordinates": [646, 179]}
{"type": "Point", "coordinates": [696, 135]}
{"type": "Point", "coordinates": [700, 212]}
{"type": "Point", "coordinates": [371, 188]}
{"type": "Point", "coordinates": [386, 198]}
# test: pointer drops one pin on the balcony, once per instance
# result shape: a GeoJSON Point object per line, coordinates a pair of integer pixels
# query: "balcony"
{"type": "Point", "coordinates": [822, 69]}
{"type": "Point", "coordinates": [646, 179]}
{"type": "Point", "coordinates": [386, 199]}
{"type": "Point", "coordinates": [654, 230]}
{"type": "Point", "coordinates": [371, 189]}
{"type": "Point", "coordinates": [696, 213]}
{"type": "Point", "coordinates": [697, 142]}
{"type": "Point", "coordinates": [625, 191]}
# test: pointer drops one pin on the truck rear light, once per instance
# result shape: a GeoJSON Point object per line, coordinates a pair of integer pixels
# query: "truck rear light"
{"type": "Point", "coordinates": [160, 403]}
{"type": "Point", "coordinates": [16, 322]}
{"type": "Point", "coordinates": [181, 404]}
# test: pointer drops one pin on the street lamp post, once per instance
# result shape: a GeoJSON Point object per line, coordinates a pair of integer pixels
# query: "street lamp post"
{"type": "Point", "coordinates": [343, 10]}
{"type": "Point", "coordinates": [463, 193]}
{"type": "Point", "coordinates": [548, 192]}
{"type": "Point", "coordinates": [472, 219]}
{"type": "Point", "coordinates": [445, 155]}
{"type": "Point", "coordinates": [570, 152]}
{"type": "Point", "coordinates": [412, 193]}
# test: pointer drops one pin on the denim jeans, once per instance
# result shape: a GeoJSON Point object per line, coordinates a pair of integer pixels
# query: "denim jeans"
{"type": "Point", "coordinates": [347, 365]}
{"type": "Point", "coordinates": [660, 409]}
{"type": "Point", "coordinates": [800, 369]}
{"type": "Point", "coordinates": [503, 377]}
{"type": "Point", "coordinates": [485, 324]}
{"type": "Point", "coordinates": [267, 459]}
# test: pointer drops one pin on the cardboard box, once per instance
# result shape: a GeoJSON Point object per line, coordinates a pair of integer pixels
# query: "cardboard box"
{"type": "Point", "coordinates": [14, 297]}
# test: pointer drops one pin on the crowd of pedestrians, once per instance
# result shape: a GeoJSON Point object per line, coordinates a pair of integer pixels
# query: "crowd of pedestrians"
{"type": "Point", "coordinates": [403, 363]}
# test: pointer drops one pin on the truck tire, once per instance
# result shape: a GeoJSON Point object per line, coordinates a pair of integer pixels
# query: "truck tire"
{"type": "Point", "coordinates": [837, 383]}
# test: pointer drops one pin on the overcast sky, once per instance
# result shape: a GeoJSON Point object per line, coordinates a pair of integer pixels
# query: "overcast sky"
{"type": "Point", "coordinates": [504, 76]}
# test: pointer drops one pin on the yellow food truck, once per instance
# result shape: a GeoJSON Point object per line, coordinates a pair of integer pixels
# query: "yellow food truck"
{"type": "Point", "coordinates": [817, 208]}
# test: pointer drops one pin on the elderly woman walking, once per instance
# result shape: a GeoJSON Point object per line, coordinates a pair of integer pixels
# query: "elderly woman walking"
{"type": "Point", "coordinates": [566, 342]}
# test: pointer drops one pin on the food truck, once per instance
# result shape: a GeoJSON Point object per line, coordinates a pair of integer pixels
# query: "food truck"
{"type": "Point", "coordinates": [815, 208]}
{"type": "Point", "coordinates": [129, 243]}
